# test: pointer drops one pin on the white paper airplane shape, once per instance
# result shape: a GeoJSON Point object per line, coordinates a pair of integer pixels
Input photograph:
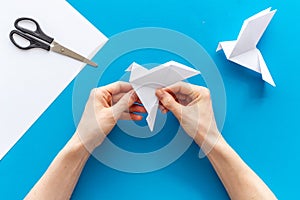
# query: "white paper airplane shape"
{"type": "Point", "coordinates": [243, 51]}
{"type": "Point", "coordinates": [145, 82]}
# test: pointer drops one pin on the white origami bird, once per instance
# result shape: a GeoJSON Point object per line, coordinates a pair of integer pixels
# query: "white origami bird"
{"type": "Point", "coordinates": [145, 82]}
{"type": "Point", "coordinates": [243, 51]}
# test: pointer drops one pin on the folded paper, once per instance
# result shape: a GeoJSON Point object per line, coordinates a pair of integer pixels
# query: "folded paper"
{"type": "Point", "coordinates": [145, 82]}
{"type": "Point", "coordinates": [243, 51]}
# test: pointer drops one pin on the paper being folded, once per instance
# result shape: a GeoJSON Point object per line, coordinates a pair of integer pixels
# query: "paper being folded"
{"type": "Point", "coordinates": [243, 51]}
{"type": "Point", "coordinates": [145, 82]}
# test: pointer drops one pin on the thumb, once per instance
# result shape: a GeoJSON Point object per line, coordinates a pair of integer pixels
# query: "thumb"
{"type": "Point", "coordinates": [124, 103]}
{"type": "Point", "coordinates": [169, 102]}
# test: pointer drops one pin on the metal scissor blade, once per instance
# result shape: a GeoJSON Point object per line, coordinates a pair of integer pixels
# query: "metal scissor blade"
{"type": "Point", "coordinates": [67, 52]}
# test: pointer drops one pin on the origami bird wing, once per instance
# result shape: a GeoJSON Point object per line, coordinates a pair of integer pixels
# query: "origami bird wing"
{"type": "Point", "coordinates": [165, 75]}
{"type": "Point", "coordinates": [251, 32]}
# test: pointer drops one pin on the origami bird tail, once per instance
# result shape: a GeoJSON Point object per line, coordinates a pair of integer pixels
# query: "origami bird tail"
{"type": "Point", "coordinates": [266, 76]}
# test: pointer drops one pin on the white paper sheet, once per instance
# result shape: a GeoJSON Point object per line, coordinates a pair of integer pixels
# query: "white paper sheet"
{"type": "Point", "coordinates": [31, 80]}
{"type": "Point", "coordinates": [243, 51]}
{"type": "Point", "coordinates": [145, 82]}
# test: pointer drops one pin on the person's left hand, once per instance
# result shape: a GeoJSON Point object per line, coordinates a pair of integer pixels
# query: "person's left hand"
{"type": "Point", "coordinates": [104, 107]}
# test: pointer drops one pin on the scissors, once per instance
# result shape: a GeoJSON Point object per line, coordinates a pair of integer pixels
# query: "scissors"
{"type": "Point", "coordinates": [38, 39]}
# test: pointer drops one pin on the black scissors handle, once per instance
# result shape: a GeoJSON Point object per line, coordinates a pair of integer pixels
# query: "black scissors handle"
{"type": "Point", "coordinates": [36, 33]}
{"type": "Point", "coordinates": [34, 43]}
{"type": "Point", "coordinates": [30, 35]}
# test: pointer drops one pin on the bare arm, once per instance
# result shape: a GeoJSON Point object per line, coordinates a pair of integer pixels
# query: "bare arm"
{"type": "Point", "coordinates": [105, 106]}
{"type": "Point", "coordinates": [240, 181]}
{"type": "Point", "coordinates": [192, 106]}
{"type": "Point", "coordinates": [62, 175]}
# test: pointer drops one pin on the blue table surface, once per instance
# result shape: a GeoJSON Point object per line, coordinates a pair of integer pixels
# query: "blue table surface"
{"type": "Point", "coordinates": [261, 121]}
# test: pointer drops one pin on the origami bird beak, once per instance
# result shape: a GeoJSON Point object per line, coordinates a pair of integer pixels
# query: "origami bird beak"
{"type": "Point", "coordinates": [130, 68]}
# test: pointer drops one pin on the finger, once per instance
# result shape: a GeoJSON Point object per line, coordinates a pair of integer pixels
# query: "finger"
{"type": "Point", "coordinates": [186, 92]}
{"type": "Point", "coordinates": [117, 97]}
{"type": "Point", "coordinates": [131, 116]}
{"type": "Point", "coordinates": [137, 108]}
{"type": "Point", "coordinates": [163, 109]}
{"type": "Point", "coordinates": [100, 98]}
{"type": "Point", "coordinates": [124, 103]}
{"type": "Point", "coordinates": [180, 87]}
{"type": "Point", "coordinates": [169, 102]}
{"type": "Point", "coordinates": [117, 87]}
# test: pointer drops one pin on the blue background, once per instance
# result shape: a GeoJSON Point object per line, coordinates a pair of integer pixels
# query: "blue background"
{"type": "Point", "coordinates": [261, 121]}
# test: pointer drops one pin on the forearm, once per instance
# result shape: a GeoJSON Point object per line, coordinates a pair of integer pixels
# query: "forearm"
{"type": "Point", "coordinates": [61, 177]}
{"type": "Point", "coordinates": [238, 179]}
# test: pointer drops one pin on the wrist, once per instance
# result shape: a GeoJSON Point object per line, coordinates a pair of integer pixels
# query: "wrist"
{"type": "Point", "coordinates": [219, 148]}
{"type": "Point", "coordinates": [207, 142]}
{"type": "Point", "coordinates": [90, 138]}
{"type": "Point", "coordinates": [75, 148]}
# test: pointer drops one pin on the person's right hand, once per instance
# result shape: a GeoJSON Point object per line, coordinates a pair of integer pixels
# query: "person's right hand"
{"type": "Point", "coordinates": [192, 106]}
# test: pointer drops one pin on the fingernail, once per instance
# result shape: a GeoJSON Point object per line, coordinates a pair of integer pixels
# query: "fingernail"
{"type": "Point", "coordinates": [159, 92]}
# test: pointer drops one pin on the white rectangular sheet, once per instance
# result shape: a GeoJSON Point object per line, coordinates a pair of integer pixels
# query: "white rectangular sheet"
{"type": "Point", "coordinates": [31, 80]}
